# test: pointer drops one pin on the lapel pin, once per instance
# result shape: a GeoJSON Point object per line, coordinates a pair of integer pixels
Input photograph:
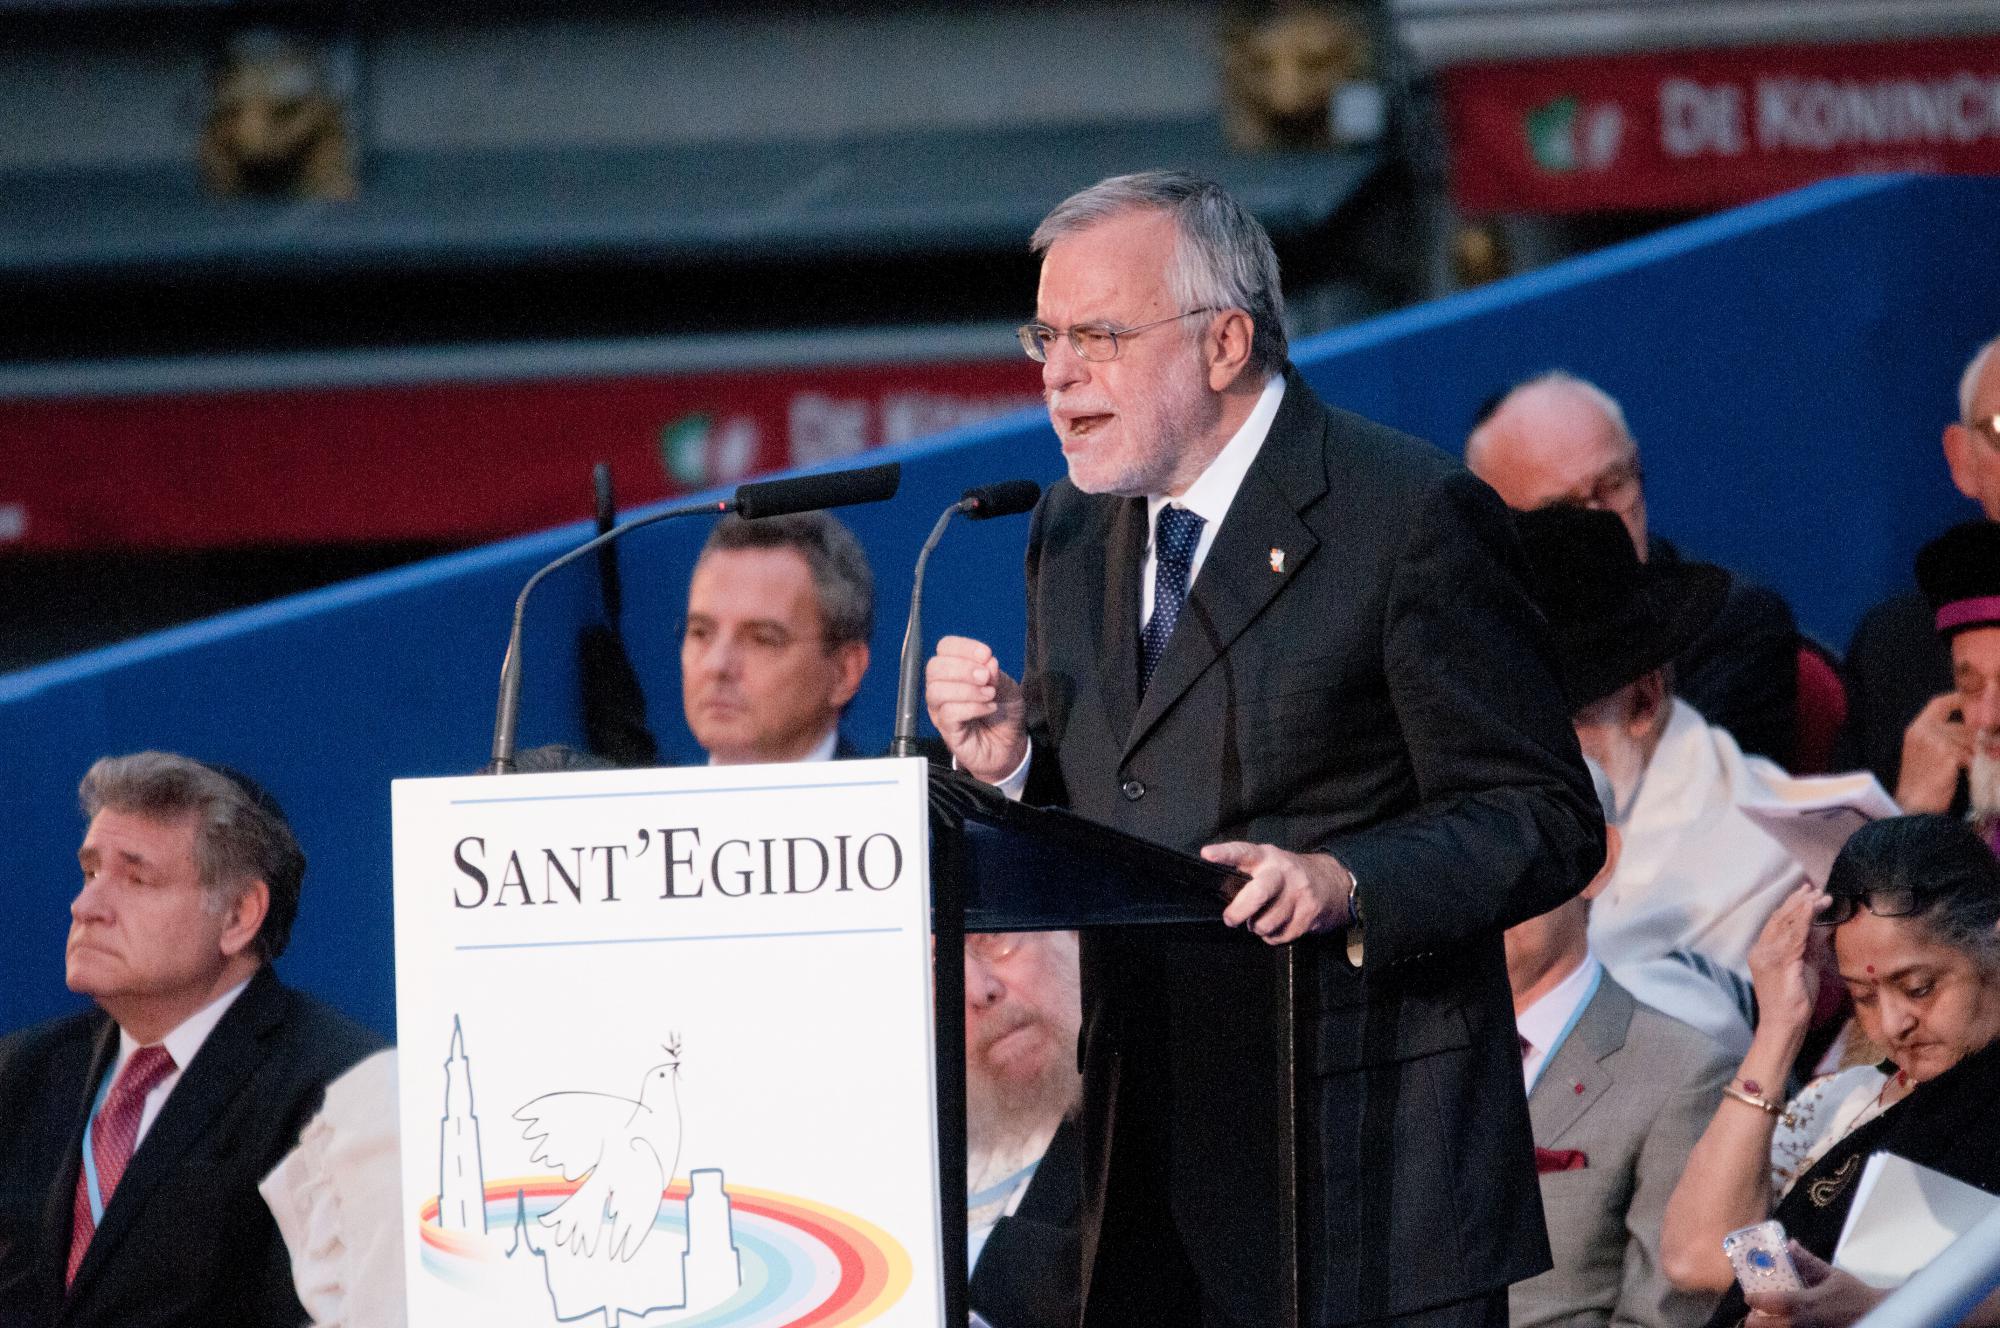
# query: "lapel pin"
{"type": "Point", "coordinates": [1277, 560]}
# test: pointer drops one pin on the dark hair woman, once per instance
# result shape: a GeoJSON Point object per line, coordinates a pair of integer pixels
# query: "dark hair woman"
{"type": "Point", "coordinates": [1914, 907]}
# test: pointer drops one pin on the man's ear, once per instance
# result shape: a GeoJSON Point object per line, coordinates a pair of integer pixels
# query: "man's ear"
{"type": "Point", "coordinates": [1226, 348]}
{"type": "Point", "coordinates": [1958, 445]}
{"type": "Point", "coordinates": [1614, 844]}
{"type": "Point", "coordinates": [851, 665]}
{"type": "Point", "coordinates": [245, 919]}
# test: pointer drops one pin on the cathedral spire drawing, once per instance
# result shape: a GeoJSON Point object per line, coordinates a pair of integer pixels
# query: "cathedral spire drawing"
{"type": "Point", "coordinates": [461, 1171]}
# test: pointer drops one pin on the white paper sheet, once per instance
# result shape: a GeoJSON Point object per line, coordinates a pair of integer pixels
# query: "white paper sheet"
{"type": "Point", "coordinates": [1903, 1216]}
{"type": "Point", "coordinates": [1812, 817]}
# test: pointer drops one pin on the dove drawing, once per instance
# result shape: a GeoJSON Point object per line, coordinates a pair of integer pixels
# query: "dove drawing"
{"type": "Point", "coordinates": [624, 1152]}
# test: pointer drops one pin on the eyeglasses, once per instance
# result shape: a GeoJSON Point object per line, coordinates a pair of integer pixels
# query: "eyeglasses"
{"type": "Point", "coordinates": [1613, 489]}
{"type": "Point", "coordinates": [1882, 903]}
{"type": "Point", "coordinates": [1096, 342]}
{"type": "Point", "coordinates": [993, 947]}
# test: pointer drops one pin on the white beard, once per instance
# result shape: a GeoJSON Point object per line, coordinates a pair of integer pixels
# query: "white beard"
{"type": "Point", "coordinates": [1982, 779]}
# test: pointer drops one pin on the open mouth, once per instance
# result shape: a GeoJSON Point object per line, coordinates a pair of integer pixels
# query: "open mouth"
{"type": "Point", "coordinates": [1077, 425]}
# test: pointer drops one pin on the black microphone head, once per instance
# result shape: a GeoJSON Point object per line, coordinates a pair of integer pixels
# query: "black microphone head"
{"type": "Point", "coordinates": [810, 493]}
{"type": "Point", "coordinates": [1006, 498]}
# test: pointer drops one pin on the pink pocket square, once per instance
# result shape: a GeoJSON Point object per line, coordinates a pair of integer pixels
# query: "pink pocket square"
{"type": "Point", "coordinates": [1559, 1159]}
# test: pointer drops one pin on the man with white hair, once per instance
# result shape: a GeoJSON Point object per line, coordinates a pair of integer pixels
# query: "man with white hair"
{"type": "Point", "coordinates": [1296, 642]}
{"type": "Point", "coordinates": [1956, 739]}
{"type": "Point", "coordinates": [1898, 670]}
{"type": "Point", "coordinates": [1023, 1158]}
{"type": "Point", "coordinates": [1560, 439]}
{"type": "Point", "coordinates": [1694, 874]}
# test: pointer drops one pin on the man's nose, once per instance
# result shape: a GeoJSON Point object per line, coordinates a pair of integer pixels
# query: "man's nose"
{"type": "Point", "coordinates": [90, 904]}
{"type": "Point", "coordinates": [717, 655]}
{"type": "Point", "coordinates": [1063, 368]}
{"type": "Point", "coordinates": [983, 987]}
{"type": "Point", "coordinates": [1982, 712]}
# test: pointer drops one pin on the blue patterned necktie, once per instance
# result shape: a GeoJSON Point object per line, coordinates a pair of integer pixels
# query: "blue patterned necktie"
{"type": "Point", "coordinates": [1174, 541]}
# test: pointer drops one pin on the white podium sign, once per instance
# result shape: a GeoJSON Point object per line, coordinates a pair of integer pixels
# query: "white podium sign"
{"type": "Point", "coordinates": [666, 1047]}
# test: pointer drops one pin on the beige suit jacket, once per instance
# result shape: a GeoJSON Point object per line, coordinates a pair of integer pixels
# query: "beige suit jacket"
{"type": "Point", "coordinates": [1631, 1089]}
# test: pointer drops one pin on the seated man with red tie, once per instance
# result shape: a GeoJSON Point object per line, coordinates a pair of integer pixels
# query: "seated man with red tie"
{"type": "Point", "coordinates": [132, 1136]}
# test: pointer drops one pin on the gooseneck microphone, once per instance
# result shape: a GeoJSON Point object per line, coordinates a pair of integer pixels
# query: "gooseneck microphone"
{"type": "Point", "coordinates": [1006, 498]}
{"type": "Point", "coordinates": [803, 493]}
{"type": "Point", "coordinates": [812, 493]}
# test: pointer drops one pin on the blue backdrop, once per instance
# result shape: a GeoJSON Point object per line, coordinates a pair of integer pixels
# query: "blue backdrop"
{"type": "Point", "coordinates": [1787, 369]}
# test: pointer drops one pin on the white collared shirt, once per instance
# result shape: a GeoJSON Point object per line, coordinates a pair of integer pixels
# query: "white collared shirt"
{"type": "Point", "coordinates": [181, 1044]}
{"type": "Point", "coordinates": [1209, 498]}
{"type": "Point", "coordinates": [1213, 490]}
{"type": "Point", "coordinates": [1548, 1021]}
{"type": "Point", "coordinates": [823, 752]}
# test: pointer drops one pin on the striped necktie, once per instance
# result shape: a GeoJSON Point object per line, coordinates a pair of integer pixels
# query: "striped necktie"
{"type": "Point", "coordinates": [114, 1135]}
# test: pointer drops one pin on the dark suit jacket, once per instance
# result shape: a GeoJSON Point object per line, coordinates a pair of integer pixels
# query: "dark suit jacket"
{"type": "Point", "coordinates": [1028, 1274]}
{"type": "Point", "coordinates": [1386, 697]}
{"type": "Point", "coordinates": [1742, 673]}
{"type": "Point", "coordinates": [1895, 664]}
{"type": "Point", "coordinates": [186, 1239]}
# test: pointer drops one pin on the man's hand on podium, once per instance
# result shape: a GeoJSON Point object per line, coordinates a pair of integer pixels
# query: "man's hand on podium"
{"type": "Point", "coordinates": [977, 708]}
{"type": "Point", "coordinates": [1288, 895]}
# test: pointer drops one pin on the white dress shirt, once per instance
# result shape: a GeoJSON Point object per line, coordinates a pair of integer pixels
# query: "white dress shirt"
{"type": "Point", "coordinates": [1547, 1022]}
{"type": "Point", "coordinates": [1209, 498]}
{"type": "Point", "coordinates": [823, 752]}
{"type": "Point", "coordinates": [181, 1044]}
{"type": "Point", "coordinates": [1213, 490]}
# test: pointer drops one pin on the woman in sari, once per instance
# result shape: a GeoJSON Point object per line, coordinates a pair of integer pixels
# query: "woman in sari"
{"type": "Point", "coordinates": [1913, 904]}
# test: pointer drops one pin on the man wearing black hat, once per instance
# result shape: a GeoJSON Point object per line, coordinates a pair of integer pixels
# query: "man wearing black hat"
{"type": "Point", "coordinates": [1695, 874]}
{"type": "Point", "coordinates": [133, 1136]}
{"type": "Point", "coordinates": [1955, 740]}
{"type": "Point", "coordinates": [1897, 668]}
{"type": "Point", "coordinates": [1557, 439]}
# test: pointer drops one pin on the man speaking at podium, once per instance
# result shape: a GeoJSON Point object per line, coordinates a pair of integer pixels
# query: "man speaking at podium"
{"type": "Point", "coordinates": [1296, 641]}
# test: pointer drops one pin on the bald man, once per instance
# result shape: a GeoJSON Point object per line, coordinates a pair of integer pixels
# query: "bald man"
{"type": "Point", "coordinates": [1559, 439]}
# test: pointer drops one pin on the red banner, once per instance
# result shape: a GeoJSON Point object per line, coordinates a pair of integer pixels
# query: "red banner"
{"type": "Point", "coordinates": [1704, 129]}
{"type": "Point", "coordinates": [445, 461]}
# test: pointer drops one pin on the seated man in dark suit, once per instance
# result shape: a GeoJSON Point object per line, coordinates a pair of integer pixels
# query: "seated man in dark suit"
{"type": "Point", "coordinates": [133, 1136]}
{"type": "Point", "coordinates": [1023, 1180]}
{"type": "Point", "coordinates": [1559, 439]}
{"type": "Point", "coordinates": [775, 644]}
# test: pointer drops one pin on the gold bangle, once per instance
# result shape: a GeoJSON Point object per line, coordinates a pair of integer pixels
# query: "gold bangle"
{"type": "Point", "coordinates": [1763, 1104]}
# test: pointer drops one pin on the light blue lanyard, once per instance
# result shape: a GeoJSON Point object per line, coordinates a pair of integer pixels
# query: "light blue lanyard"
{"type": "Point", "coordinates": [1003, 1187]}
{"type": "Point", "coordinates": [90, 1154]}
{"type": "Point", "coordinates": [1596, 979]}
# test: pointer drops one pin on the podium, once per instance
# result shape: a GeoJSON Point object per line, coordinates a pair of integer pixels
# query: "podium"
{"type": "Point", "coordinates": [667, 1035]}
{"type": "Point", "coordinates": [1000, 866]}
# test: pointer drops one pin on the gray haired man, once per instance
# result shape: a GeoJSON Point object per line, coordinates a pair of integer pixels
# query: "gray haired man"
{"type": "Point", "coordinates": [1296, 642]}
{"type": "Point", "coordinates": [134, 1135]}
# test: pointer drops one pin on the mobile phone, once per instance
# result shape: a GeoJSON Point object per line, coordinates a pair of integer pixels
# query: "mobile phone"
{"type": "Point", "coordinates": [1762, 1259]}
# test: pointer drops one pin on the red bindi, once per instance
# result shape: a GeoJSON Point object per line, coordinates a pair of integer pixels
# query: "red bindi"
{"type": "Point", "coordinates": [1871, 968]}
